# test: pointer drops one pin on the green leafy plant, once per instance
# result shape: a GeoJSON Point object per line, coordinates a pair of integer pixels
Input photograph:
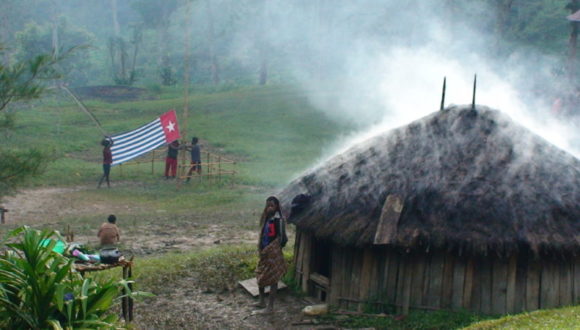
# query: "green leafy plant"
{"type": "Point", "coordinates": [40, 289]}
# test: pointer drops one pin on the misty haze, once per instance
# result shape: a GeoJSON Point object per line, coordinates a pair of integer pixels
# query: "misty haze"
{"type": "Point", "coordinates": [269, 164]}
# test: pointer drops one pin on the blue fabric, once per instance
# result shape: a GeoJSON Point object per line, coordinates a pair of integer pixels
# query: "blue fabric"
{"type": "Point", "coordinates": [266, 239]}
{"type": "Point", "coordinates": [195, 154]}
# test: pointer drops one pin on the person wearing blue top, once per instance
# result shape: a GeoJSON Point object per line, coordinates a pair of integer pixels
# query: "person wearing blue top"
{"type": "Point", "coordinates": [195, 158]}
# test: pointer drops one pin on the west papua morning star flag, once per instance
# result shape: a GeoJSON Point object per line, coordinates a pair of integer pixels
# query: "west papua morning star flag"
{"type": "Point", "coordinates": [135, 143]}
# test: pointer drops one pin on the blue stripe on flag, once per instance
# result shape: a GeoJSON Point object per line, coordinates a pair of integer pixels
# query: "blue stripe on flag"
{"type": "Point", "coordinates": [154, 125]}
{"type": "Point", "coordinates": [137, 130]}
{"type": "Point", "coordinates": [129, 145]}
{"type": "Point", "coordinates": [146, 149]}
{"type": "Point", "coordinates": [134, 144]}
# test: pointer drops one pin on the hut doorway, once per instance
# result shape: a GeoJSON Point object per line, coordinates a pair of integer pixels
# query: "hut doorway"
{"type": "Point", "coordinates": [321, 266]}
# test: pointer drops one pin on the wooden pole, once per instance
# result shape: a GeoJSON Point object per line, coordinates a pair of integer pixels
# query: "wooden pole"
{"type": "Point", "coordinates": [2, 212]}
{"type": "Point", "coordinates": [130, 299]}
{"type": "Point", "coordinates": [208, 167]}
{"type": "Point", "coordinates": [474, 88]}
{"type": "Point", "coordinates": [185, 78]}
{"type": "Point", "coordinates": [443, 94]}
{"type": "Point", "coordinates": [152, 162]}
{"type": "Point", "coordinates": [124, 300]}
{"type": "Point", "coordinates": [84, 108]}
{"type": "Point", "coordinates": [219, 168]}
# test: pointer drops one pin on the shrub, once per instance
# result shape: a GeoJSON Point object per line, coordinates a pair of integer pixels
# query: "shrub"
{"type": "Point", "coordinates": [39, 288]}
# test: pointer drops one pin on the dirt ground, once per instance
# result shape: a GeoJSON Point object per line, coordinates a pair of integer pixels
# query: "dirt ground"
{"type": "Point", "coordinates": [47, 206]}
{"type": "Point", "coordinates": [183, 305]}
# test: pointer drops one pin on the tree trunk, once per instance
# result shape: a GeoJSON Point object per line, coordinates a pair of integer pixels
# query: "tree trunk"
{"type": "Point", "coordinates": [116, 26]}
{"type": "Point", "coordinates": [5, 31]}
{"type": "Point", "coordinates": [504, 8]}
{"type": "Point", "coordinates": [55, 37]}
{"type": "Point", "coordinates": [137, 38]}
{"type": "Point", "coordinates": [573, 6]}
{"type": "Point", "coordinates": [215, 74]}
{"type": "Point", "coordinates": [262, 53]}
{"type": "Point", "coordinates": [263, 71]}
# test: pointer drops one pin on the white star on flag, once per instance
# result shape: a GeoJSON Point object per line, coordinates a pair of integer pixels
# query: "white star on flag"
{"type": "Point", "coordinates": [171, 126]}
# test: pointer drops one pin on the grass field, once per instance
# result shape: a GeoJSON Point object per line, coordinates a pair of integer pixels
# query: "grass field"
{"type": "Point", "coordinates": [273, 133]}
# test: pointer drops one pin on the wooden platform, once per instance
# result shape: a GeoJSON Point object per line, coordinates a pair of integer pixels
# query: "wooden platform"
{"type": "Point", "coordinates": [251, 285]}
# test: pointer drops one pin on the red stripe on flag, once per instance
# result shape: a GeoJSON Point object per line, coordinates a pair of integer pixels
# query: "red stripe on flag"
{"type": "Point", "coordinates": [169, 125]}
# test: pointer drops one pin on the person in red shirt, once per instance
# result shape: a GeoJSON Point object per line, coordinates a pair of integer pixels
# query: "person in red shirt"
{"type": "Point", "coordinates": [107, 161]}
{"type": "Point", "coordinates": [171, 160]}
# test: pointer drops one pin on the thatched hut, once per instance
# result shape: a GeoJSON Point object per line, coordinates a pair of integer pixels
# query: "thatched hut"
{"type": "Point", "coordinates": [461, 209]}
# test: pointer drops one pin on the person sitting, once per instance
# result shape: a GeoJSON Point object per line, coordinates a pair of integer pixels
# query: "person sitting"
{"type": "Point", "coordinates": [109, 233]}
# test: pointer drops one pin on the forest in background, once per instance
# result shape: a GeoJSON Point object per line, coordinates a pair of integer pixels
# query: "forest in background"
{"type": "Point", "coordinates": [239, 42]}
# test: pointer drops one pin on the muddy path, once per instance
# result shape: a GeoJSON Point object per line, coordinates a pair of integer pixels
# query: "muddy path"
{"type": "Point", "coordinates": [155, 233]}
{"type": "Point", "coordinates": [226, 310]}
{"type": "Point", "coordinates": [181, 305]}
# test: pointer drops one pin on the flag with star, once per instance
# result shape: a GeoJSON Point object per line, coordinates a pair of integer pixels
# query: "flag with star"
{"type": "Point", "coordinates": [135, 143]}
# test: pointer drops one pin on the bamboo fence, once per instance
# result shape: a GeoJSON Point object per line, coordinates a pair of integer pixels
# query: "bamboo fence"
{"type": "Point", "coordinates": [213, 166]}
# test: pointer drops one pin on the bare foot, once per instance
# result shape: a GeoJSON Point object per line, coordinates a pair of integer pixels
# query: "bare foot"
{"type": "Point", "coordinates": [260, 305]}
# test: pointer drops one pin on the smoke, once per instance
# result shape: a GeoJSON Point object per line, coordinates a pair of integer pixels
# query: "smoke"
{"type": "Point", "coordinates": [380, 64]}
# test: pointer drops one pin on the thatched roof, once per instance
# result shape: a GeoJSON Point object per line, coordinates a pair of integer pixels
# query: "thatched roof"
{"type": "Point", "coordinates": [468, 180]}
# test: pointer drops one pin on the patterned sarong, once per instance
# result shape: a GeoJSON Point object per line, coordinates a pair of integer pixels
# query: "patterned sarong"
{"type": "Point", "coordinates": [272, 265]}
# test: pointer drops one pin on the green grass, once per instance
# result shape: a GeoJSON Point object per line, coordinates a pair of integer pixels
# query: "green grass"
{"type": "Point", "coordinates": [272, 131]}
{"type": "Point", "coordinates": [415, 320]}
{"type": "Point", "coordinates": [560, 318]}
{"type": "Point", "coordinates": [218, 269]}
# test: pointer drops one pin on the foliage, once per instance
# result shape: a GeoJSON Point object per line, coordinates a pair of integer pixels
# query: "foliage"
{"type": "Point", "coordinates": [561, 318]}
{"type": "Point", "coordinates": [40, 289]}
{"type": "Point", "coordinates": [167, 76]}
{"type": "Point", "coordinates": [19, 82]}
{"type": "Point", "coordinates": [123, 63]}
{"type": "Point", "coordinates": [17, 166]}
{"type": "Point", "coordinates": [38, 39]}
{"type": "Point", "coordinates": [23, 80]}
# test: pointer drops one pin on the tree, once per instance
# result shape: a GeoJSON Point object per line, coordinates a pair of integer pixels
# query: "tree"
{"type": "Point", "coordinates": [53, 38]}
{"type": "Point", "coordinates": [20, 82]}
{"type": "Point", "coordinates": [215, 71]}
{"type": "Point", "coordinates": [263, 47]}
{"type": "Point", "coordinates": [157, 15]}
{"type": "Point", "coordinates": [124, 68]}
{"type": "Point", "coordinates": [123, 65]}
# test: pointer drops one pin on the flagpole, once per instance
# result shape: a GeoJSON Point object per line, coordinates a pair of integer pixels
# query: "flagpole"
{"type": "Point", "coordinates": [185, 82]}
{"type": "Point", "coordinates": [84, 108]}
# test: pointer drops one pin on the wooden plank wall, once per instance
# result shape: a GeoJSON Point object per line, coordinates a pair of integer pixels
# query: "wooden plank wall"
{"type": "Point", "coordinates": [440, 280]}
{"type": "Point", "coordinates": [576, 281]}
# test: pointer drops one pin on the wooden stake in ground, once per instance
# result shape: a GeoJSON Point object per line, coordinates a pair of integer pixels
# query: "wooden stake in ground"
{"type": "Point", "coordinates": [474, 88]}
{"type": "Point", "coordinates": [443, 94]}
{"type": "Point", "coordinates": [2, 211]}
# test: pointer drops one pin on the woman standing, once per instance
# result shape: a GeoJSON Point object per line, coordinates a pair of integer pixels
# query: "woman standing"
{"type": "Point", "coordinates": [272, 265]}
{"type": "Point", "coordinates": [107, 161]}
